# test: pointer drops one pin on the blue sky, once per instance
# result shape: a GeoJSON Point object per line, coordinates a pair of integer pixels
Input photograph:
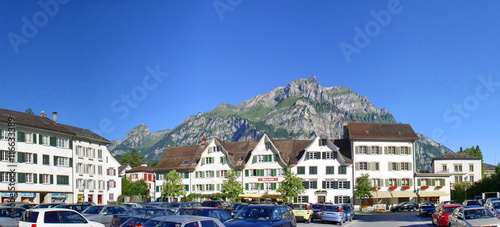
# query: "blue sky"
{"type": "Point", "coordinates": [111, 65]}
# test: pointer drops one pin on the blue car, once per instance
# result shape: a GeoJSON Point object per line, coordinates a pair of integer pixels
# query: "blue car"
{"type": "Point", "coordinates": [349, 212]}
{"type": "Point", "coordinates": [333, 213]}
{"type": "Point", "coordinates": [426, 209]}
{"type": "Point", "coordinates": [217, 213]}
{"type": "Point", "coordinates": [263, 215]}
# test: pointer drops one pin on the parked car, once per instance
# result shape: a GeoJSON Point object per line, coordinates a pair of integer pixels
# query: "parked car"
{"type": "Point", "coordinates": [449, 202]}
{"type": "Point", "coordinates": [28, 206]}
{"type": "Point", "coordinates": [471, 202]}
{"type": "Point", "coordinates": [491, 199]}
{"type": "Point", "coordinates": [78, 207]}
{"type": "Point", "coordinates": [47, 205]}
{"type": "Point", "coordinates": [9, 216]}
{"type": "Point", "coordinates": [217, 204]}
{"type": "Point", "coordinates": [213, 212]}
{"type": "Point", "coordinates": [119, 219]}
{"type": "Point", "coordinates": [426, 209]}
{"type": "Point", "coordinates": [55, 217]}
{"type": "Point", "coordinates": [263, 215]}
{"type": "Point", "coordinates": [349, 212]}
{"type": "Point", "coordinates": [183, 221]}
{"type": "Point", "coordinates": [235, 208]}
{"type": "Point", "coordinates": [481, 201]}
{"type": "Point", "coordinates": [317, 208]}
{"type": "Point", "coordinates": [333, 213]}
{"type": "Point", "coordinates": [103, 213]}
{"type": "Point", "coordinates": [404, 206]}
{"type": "Point", "coordinates": [494, 207]}
{"type": "Point", "coordinates": [132, 205]}
{"type": "Point", "coordinates": [302, 212]}
{"type": "Point", "coordinates": [134, 222]}
{"type": "Point", "coordinates": [443, 211]}
{"type": "Point", "coordinates": [472, 216]}
{"type": "Point", "coordinates": [174, 206]}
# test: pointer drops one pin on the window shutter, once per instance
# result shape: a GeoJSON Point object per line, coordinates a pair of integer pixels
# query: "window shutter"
{"type": "Point", "coordinates": [419, 182]}
{"type": "Point", "coordinates": [210, 149]}
{"type": "Point", "coordinates": [336, 199]}
{"type": "Point", "coordinates": [246, 173]}
{"type": "Point", "coordinates": [399, 182]}
{"type": "Point", "coordinates": [203, 161]}
{"type": "Point", "coordinates": [305, 184]}
{"type": "Point", "coordinates": [369, 150]}
{"type": "Point", "coordinates": [21, 178]}
{"type": "Point", "coordinates": [348, 184]}
{"type": "Point", "coordinates": [261, 186]}
{"type": "Point", "coordinates": [20, 136]}
{"type": "Point", "coordinates": [40, 138]}
{"type": "Point", "coordinates": [369, 166]}
{"type": "Point", "coordinates": [398, 150]}
{"type": "Point", "coordinates": [307, 155]}
{"type": "Point", "coordinates": [276, 157]}
{"type": "Point", "coordinates": [433, 182]}
{"type": "Point", "coordinates": [323, 155]}
{"type": "Point", "coordinates": [34, 138]}
{"type": "Point", "coordinates": [273, 172]}
{"type": "Point", "coordinates": [273, 186]}
{"type": "Point", "coordinates": [356, 150]}
{"type": "Point", "coordinates": [398, 166]}
{"type": "Point", "coordinates": [409, 150]}
{"type": "Point", "coordinates": [35, 178]}
{"type": "Point", "coordinates": [53, 141]}
{"type": "Point", "coordinates": [411, 182]}
{"type": "Point", "coordinates": [387, 182]}
{"type": "Point", "coordinates": [246, 186]}
{"type": "Point", "coordinates": [194, 187]}
{"type": "Point", "coordinates": [254, 159]}
{"type": "Point", "coordinates": [51, 179]}
{"type": "Point", "coordinates": [356, 165]}
{"type": "Point", "coordinates": [410, 166]}
{"type": "Point", "coordinates": [218, 187]}
{"type": "Point", "coordinates": [261, 172]}
{"type": "Point", "coordinates": [335, 185]}
{"type": "Point", "coordinates": [20, 157]}
{"type": "Point", "coordinates": [314, 184]}
{"type": "Point", "coordinates": [443, 182]}
{"type": "Point", "coordinates": [306, 199]}
{"type": "Point", "coordinates": [385, 150]}
{"type": "Point", "coordinates": [323, 186]}
{"type": "Point", "coordinates": [186, 187]}
{"type": "Point", "coordinates": [71, 163]}
{"type": "Point", "coordinates": [70, 144]}
{"type": "Point", "coordinates": [55, 160]}
{"type": "Point", "coordinates": [35, 158]}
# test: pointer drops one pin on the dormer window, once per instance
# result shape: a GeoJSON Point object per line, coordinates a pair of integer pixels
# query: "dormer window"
{"type": "Point", "coordinates": [322, 142]}
{"type": "Point", "coordinates": [268, 145]}
{"type": "Point", "coordinates": [185, 162]}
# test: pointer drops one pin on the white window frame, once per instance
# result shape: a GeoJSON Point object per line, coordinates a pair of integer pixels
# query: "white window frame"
{"type": "Point", "coordinates": [29, 178]}
{"type": "Point", "coordinates": [375, 150]}
{"type": "Point", "coordinates": [45, 179]}
{"type": "Point", "coordinates": [405, 150]}
{"type": "Point", "coordinates": [391, 150]}
{"type": "Point", "coordinates": [313, 154]}
{"type": "Point", "coordinates": [45, 140]}
{"type": "Point", "coordinates": [62, 142]}
{"type": "Point", "coordinates": [363, 166]}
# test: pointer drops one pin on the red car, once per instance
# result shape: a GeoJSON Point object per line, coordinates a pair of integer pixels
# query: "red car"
{"type": "Point", "coordinates": [440, 216]}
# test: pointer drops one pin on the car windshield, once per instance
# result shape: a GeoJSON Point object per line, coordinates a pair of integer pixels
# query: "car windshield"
{"type": "Point", "coordinates": [172, 205]}
{"type": "Point", "coordinates": [93, 210]}
{"type": "Point", "coordinates": [477, 214]}
{"type": "Point", "coordinates": [428, 206]}
{"type": "Point", "coordinates": [332, 208]}
{"type": "Point", "coordinates": [154, 223]}
{"type": "Point", "coordinates": [449, 209]}
{"type": "Point", "coordinates": [472, 202]}
{"type": "Point", "coordinates": [189, 212]}
{"type": "Point", "coordinates": [255, 213]}
{"type": "Point", "coordinates": [299, 206]}
{"type": "Point", "coordinates": [317, 206]}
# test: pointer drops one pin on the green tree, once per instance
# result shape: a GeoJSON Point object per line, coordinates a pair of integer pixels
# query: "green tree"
{"type": "Point", "coordinates": [29, 111]}
{"type": "Point", "coordinates": [133, 159]}
{"type": "Point", "coordinates": [140, 188]}
{"type": "Point", "coordinates": [461, 191]}
{"type": "Point", "coordinates": [154, 164]}
{"type": "Point", "coordinates": [126, 186]}
{"type": "Point", "coordinates": [291, 186]}
{"type": "Point", "coordinates": [475, 151]}
{"type": "Point", "coordinates": [363, 187]}
{"type": "Point", "coordinates": [173, 186]}
{"type": "Point", "coordinates": [231, 186]}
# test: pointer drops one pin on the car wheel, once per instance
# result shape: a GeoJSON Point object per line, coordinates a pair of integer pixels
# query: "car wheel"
{"type": "Point", "coordinates": [309, 219]}
{"type": "Point", "coordinates": [399, 209]}
{"type": "Point", "coordinates": [340, 223]}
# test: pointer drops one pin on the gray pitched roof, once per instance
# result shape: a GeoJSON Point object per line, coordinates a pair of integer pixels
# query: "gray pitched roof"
{"type": "Point", "coordinates": [384, 131]}
{"type": "Point", "coordinates": [457, 156]}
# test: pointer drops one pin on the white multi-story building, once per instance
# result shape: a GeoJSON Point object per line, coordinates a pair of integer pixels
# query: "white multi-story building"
{"type": "Point", "coordinates": [386, 153]}
{"type": "Point", "coordinates": [45, 161]}
{"type": "Point", "coordinates": [461, 166]}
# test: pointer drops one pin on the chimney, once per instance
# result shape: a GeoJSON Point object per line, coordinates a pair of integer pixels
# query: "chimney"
{"type": "Point", "coordinates": [42, 114]}
{"type": "Point", "coordinates": [203, 140]}
{"type": "Point", "coordinates": [54, 116]}
{"type": "Point", "coordinates": [144, 164]}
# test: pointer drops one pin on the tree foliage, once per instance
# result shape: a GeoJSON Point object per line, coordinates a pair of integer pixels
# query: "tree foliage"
{"type": "Point", "coordinates": [231, 186]}
{"type": "Point", "coordinates": [29, 111]}
{"type": "Point", "coordinates": [173, 186]}
{"type": "Point", "coordinates": [133, 159]}
{"type": "Point", "coordinates": [475, 151]}
{"type": "Point", "coordinates": [363, 187]}
{"type": "Point", "coordinates": [291, 186]}
{"type": "Point", "coordinates": [139, 187]}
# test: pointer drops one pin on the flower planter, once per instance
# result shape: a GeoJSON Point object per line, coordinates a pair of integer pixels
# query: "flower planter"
{"type": "Point", "coordinates": [406, 188]}
{"type": "Point", "coordinates": [375, 188]}
{"type": "Point", "coordinates": [439, 187]}
{"type": "Point", "coordinates": [425, 187]}
{"type": "Point", "coordinates": [392, 188]}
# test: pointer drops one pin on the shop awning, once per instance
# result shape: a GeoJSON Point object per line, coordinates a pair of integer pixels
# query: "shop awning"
{"type": "Point", "coordinates": [403, 194]}
{"type": "Point", "coordinates": [381, 195]}
{"type": "Point", "coordinates": [432, 193]}
{"type": "Point", "coordinates": [249, 196]}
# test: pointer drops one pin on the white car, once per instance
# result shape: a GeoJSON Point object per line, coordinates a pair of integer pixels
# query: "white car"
{"type": "Point", "coordinates": [55, 217]}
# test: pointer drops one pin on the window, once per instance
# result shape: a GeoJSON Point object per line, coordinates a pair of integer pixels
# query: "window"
{"type": "Point", "coordinates": [62, 180]}
{"type": "Point", "coordinates": [45, 179]}
{"type": "Point", "coordinates": [46, 159]}
{"type": "Point", "coordinates": [209, 187]}
{"type": "Point", "coordinates": [281, 172]}
{"type": "Point", "coordinates": [363, 166]}
{"type": "Point", "coordinates": [322, 142]}
{"type": "Point", "coordinates": [223, 173]}
{"type": "Point", "coordinates": [268, 172]}
{"type": "Point", "coordinates": [45, 140]}
{"type": "Point", "coordinates": [342, 199]}
{"type": "Point", "coordinates": [329, 155]}
{"type": "Point", "coordinates": [405, 166]}
{"type": "Point", "coordinates": [363, 149]}
{"type": "Point", "coordinates": [313, 184]}
{"type": "Point", "coordinates": [471, 167]}
{"type": "Point", "coordinates": [445, 168]}
{"type": "Point", "coordinates": [301, 170]}
{"type": "Point", "coordinates": [209, 174]}
{"type": "Point", "coordinates": [185, 175]}
{"type": "Point", "coordinates": [263, 158]}
{"type": "Point", "coordinates": [79, 168]}
{"type": "Point", "coordinates": [343, 184]}
{"type": "Point", "coordinates": [375, 150]}
{"type": "Point", "coordinates": [254, 186]}
{"type": "Point", "coordinates": [330, 170]}
{"type": "Point", "coordinates": [458, 168]}
{"type": "Point", "coordinates": [405, 181]}
{"type": "Point", "coordinates": [268, 186]}
{"type": "Point", "coordinates": [79, 151]}
{"type": "Point", "coordinates": [5, 177]}
{"type": "Point", "coordinates": [99, 170]}
{"type": "Point", "coordinates": [28, 137]}
{"type": "Point", "coordinates": [223, 160]}
{"type": "Point", "coordinates": [199, 174]}
{"type": "Point", "coordinates": [209, 160]}
{"type": "Point", "coordinates": [342, 169]}
{"type": "Point", "coordinates": [391, 150]}
{"type": "Point", "coordinates": [471, 179]}
{"type": "Point", "coordinates": [185, 162]}
{"type": "Point", "coordinates": [313, 155]}
{"type": "Point", "coordinates": [61, 161]}
{"type": "Point", "coordinates": [313, 170]}
{"type": "Point", "coordinates": [405, 150]}
{"type": "Point", "coordinates": [328, 184]}
{"type": "Point", "coordinates": [394, 166]}
{"type": "Point", "coordinates": [376, 182]}
{"type": "Point", "coordinates": [458, 178]}
{"type": "Point", "coordinates": [99, 154]}
{"type": "Point", "coordinates": [393, 182]}
{"type": "Point", "coordinates": [28, 157]}
{"type": "Point", "coordinates": [61, 142]}
{"type": "Point", "coordinates": [302, 199]}
{"type": "Point", "coordinates": [4, 134]}
{"type": "Point", "coordinates": [79, 184]}
{"type": "Point", "coordinates": [5, 156]}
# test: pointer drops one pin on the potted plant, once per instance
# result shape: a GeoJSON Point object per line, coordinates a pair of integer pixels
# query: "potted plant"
{"type": "Point", "coordinates": [392, 188]}
{"type": "Point", "coordinates": [375, 188]}
{"type": "Point", "coordinates": [406, 187]}
{"type": "Point", "coordinates": [439, 187]}
{"type": "Point", "coordinates": [424, 187]}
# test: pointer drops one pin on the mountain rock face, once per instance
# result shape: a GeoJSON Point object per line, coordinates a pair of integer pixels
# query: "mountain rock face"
{"type": "Point", "coordinates": [303, 109]}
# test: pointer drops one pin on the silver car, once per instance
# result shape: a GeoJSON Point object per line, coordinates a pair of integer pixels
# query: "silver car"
{"type": "Point", "coordinates": [472, 216]}
{"type": "Point", "coordinates": [103, 213]}
{"type": "Point", "coordinates": [9, 219]}
{"type": "Point", "coordinates": [183, 221]}
{"type": "Point", "coordinates": [494, 207]}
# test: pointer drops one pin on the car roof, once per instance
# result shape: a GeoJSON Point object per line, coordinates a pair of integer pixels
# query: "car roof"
{"type": "Point", "coordinates": [451, 205]}
{"type": "Point", "coordinates": [49, 209]}
{"type": "Point", "coordinates": [182, 218]}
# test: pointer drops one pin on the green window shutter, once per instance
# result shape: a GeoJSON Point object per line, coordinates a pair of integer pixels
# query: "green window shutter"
{"type": "Point", "coordinates": [246, 186]}
{"type": "Point", "coordinates": [411, 182]}
{"type": "Point", "coordinates": [323, 184]}
{"type": "Point", "coordinates": [218, 187]}
{"type": "Point", "coordinates": [267, 158]}
{"type": "Point", "coordinates": [307, 155]}
{"type": "Point", "coordinates": [409, 150]}
{"type": "Point", "coordinates": [70, 162]}
{"type": "Point", "coordinates": [376, 166]}
{"type": "Point", "coordinates": [35, 158]}
{"type": "Point", "coordinates": [369, 150]}
{"type": "Point", "coordinates": [336, 199]}
{"type": "Point", "coordinates": [348, 185]}
{"type": "Point", "coordinates": [385, 150]}
{"type": "Point", "coordinates": [35, 178]}
{"type": "Point", "coordinates": [20, 157]}
{"type": "Point", "coordinates": [273, 172]}
{"type": "Point", "coordinates": [369, 166]}
{"type": "Point", "coordinates": [261, 186]}
{"type": "Point", "coordinates": [335, 185]}
{"type": "Point", "coordinates": [254, 159]}
{"type": "Point", "coordinates": [55, 160]}
{"type": "Point", "coordinates": [186, 187]}
{"type": "Point", "coordinates": [323, 155]}
{"type": "Point", "coordinates": [398, 150]}
{"type": "Point", "coordinates": [433, 182]}
{"type": "Point", "coordinates": [443, 182]}
{"type": "Point", "coordinates": [273, 186]}
{"type": "Point", "coordinates": [399, 182]}
{"type": "Point", "coordinates": [246, 173]}
{"type": "Point", "coordinates": [276, 157]}
{"type": "Point", "coordinates": [210, 149]}
{"type": "Point", "coordinates": [53, 141]}
{"type": "Point", "coordinates": [34, 138]}
{"type": "Point", "coordinates": [315, 185]}
{"type": "Point", "coordinates": [157, 188]}
{"type": "Point", "coordinates": [410, 166]}
{"type": "Point", "coordinates": [203, 161]}
{"type": "Point", "coordinates": [20, 136]}
{"type": "Point", "coordinates": [306, 199]}
{"type": "Point", "coordinates": [419, 182]}
{"type": "Point", "coordinates": [70, 144]}
{"type": "Point", "coordinates": [40, 138]}
{"type": "Point", "coordinates": [305, 184]}
{"type": "Point", "coordinates": [194, 187]}
{"type": "Point", "coordinates": [217, 173]}
{"type": "Point", "coordinates": [21, 177]}
{"type": "Point", "coordinates": [387, 182]}
{"type": "Point", "coordinates": [51, 179]}
{"type": "Point", "coordinates": [356, 150]}
{"type": "Point", "coordinates": [260, 172]}
{"type": "Point", "coordinates": [356, 165]}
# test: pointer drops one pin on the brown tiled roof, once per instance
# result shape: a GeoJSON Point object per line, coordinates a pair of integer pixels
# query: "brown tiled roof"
{"type": "Point", "coordinates": [291, 150]}
{"type": "Point", "coordinates": [173, 157]}
{"type": "Point", "coordinates": [457, 156]}
{"type": "Point", "coordinates": [33, 121]}
{"type": "Point", "coordinates": [344, 146]}
{"type": "Point", "coordinates": [141, 169]}
{"type": "Point", "coordinates": [86, 134]}
{"type": "Point", "coordinates": [376, 131]}
{"type": "Point", "coordinates": [239, 152]}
